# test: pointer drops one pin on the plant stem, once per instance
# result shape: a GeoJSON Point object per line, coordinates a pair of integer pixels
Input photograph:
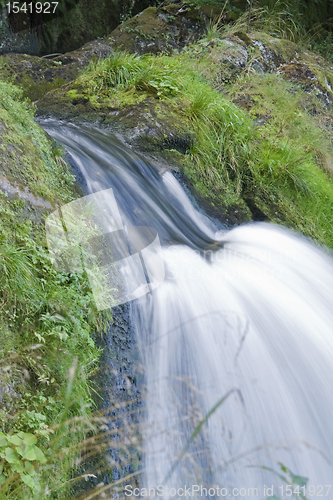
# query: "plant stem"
{"type": "Point", "coordinates": [249, 18]}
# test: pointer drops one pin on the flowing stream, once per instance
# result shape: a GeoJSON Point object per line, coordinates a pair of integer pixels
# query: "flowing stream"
{"type": "Point", "coordinates": [240, 331]}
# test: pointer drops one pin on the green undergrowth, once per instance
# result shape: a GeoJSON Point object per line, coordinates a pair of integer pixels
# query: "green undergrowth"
{"type": "Point", "coordinates": [48, 322]}
{"type": "Point", "coordinates": [272, 158]}
{"type": "Point", "coordinates": [296, 153]}
{"type": "Point", "coordinates": [26, 155]}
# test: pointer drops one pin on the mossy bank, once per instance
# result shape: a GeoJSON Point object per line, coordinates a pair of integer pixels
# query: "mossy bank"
{"type": "Point", "coordinates": [48, 320]}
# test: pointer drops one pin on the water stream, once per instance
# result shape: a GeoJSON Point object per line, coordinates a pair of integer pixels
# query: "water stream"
{"type": "Point", "coordinates": [243, 322]}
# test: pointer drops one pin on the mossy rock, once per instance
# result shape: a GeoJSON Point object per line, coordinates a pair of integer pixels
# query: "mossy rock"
{"type": "Point", "coordinates": [274, 51]}
{"type": "Point", "coordinates": [230, 57]}
{"type": "Point", "coordinates": [74, 23]}
{"type": "Point", "coordinates": [29, 168]}
{"type": "Point", "coordinates": [307, 79]}
{"type": "Point", "coordinates": [152, 31]}
{"type": "Point", "coordinates": [38, 75]}
{"type": "Point", "coordinates": [148, 124]}
{"type": "Point", "coordinates": [158, 30]}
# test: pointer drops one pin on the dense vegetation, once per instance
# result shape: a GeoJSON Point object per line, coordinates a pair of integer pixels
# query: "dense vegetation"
{"type": "Point", "coordinates": [47, 319]}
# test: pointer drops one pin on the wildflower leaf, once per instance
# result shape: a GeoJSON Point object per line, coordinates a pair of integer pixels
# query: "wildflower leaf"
{"type": "Point", "coordinates": [11, 456]}
{"type": "Point", "coordinates": [15, 440]}
{"type": "Point", "coordinates": [39, 455]}
{"type": "Point", "coordinates": [29, 439]}
{"type": "Point", "coordinates": [29, 453]}
{"type": "Point", "coordinates": [3, 441]}
{"type": "Point", "coordinates": [28, 480]}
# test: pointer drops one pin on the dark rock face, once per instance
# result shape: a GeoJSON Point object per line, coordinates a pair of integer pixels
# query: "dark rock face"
{"type": "Point", "coordinates": [307, 80]}
{"type": "Point", "coordinates": [74, 23]}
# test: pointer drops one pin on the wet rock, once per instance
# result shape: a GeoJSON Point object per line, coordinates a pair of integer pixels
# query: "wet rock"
{"type": "Point", "coordinates": [38, 75]}
{"type": "Point", "coordinates": [233, 53]}
{"type": "Point", "coordinates": [150, 125]}
{"type": "Point", "coordinates": [301, 74]}
{"type": "Point", "coordinates": [229, 55]}
{"type": "Point", "coordinates": [152, 31]}
{"type": "Point", "coordinates": [273, 52]}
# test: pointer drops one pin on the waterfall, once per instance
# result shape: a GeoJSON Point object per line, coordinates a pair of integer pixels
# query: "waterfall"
{"type": "Point", "coordinates": [240, 331]}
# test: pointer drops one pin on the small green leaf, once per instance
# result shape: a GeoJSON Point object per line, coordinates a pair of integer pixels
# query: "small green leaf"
{"type": "Point", "coordinates": [29, 439]}
{"type": "Point", "coordinates": [19, 450]}
{"type": "Point", "coordinates": [2, 478]}
{"type": "Point", "coordinates": [29, 453]}
{"type": "Point", "coordinates": [17, 467]}
{"type": "Point", "coordinates": [29, 468]}
{"type": "Point", "coordinates": [39, 455]}
{"type": "Point", "coordinates": [11, 456]}
{"type": "Point", "coordinates": [28, 480]}
{"type": "Point", "coordinates": [14, 440]}
{"type": "Point", "coordinates": [3, 441]}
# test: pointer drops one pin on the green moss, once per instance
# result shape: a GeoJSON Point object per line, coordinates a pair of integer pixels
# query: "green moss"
{"type": "Point", "coordinates": [284, 50]}
{"type": "Point", "coordinates": [36, 76]}
{"type": "Point", "coordinates": [144, 27]}
{"type": "Point", "coordinates": [27, 158]}
{"type": "Point", "coordinates": [296, 154]}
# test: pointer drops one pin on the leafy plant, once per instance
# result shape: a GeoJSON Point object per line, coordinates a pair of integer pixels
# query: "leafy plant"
{"type": "Point", "coordinates": [19, 453]}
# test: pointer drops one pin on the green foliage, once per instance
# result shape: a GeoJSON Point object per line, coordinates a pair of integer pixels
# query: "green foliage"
{"type": "Point", "coordinates": [292, 160]}
{"type": "Point", "coordinates": [303, 15]}
{"type": "Point", "coordinates": [281, 18]}
{"type": "Point", "coordinates": [19, 454]}
{"type": "Point", "coordinates": [125, 71]}
{"type": "Point", "coordinates": [16, 277]}
{"type": "Point", "coordinates": [324, 45]}
{"type": "Point", "coordinates": [34, 159]}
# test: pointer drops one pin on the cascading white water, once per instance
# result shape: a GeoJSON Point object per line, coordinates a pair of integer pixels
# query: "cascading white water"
{"type": "Point", "coordinates": [245, 313]}
{"type": "Point", "coordinates": [257, 318]}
